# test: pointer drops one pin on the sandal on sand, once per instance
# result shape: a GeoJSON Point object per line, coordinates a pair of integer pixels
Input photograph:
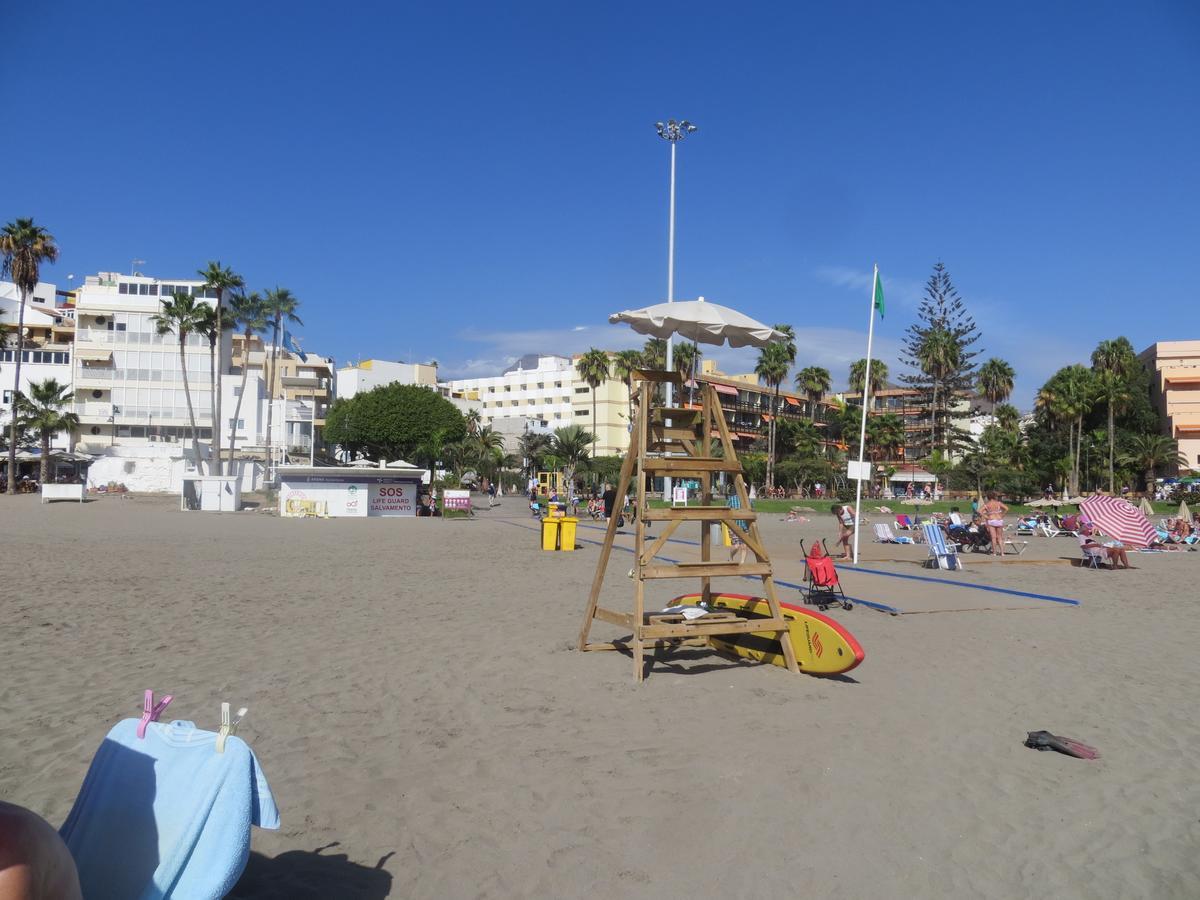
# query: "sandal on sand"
{"type": "Point", "coordinates": [1044, 740]}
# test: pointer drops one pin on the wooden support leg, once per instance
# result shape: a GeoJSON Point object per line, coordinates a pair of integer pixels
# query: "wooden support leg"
{"type": "Point", "coordinates": [606, 548]}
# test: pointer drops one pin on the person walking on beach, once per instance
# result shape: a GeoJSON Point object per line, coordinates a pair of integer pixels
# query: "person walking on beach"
{"type": "Point", "coordinates": [491, 492]}
{"type": "Point", "coordinates": [993, 512]}
{"type": "Point", "coordinates": [845, 518]}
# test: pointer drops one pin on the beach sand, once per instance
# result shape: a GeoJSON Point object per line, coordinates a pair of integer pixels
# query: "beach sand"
{"type": "Point", "coordinates": [428, 730]}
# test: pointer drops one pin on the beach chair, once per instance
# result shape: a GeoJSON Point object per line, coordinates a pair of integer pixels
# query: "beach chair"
{"type": "Point", "coordinates": [1009, 542]}
{"type": "Point", "coordinates": [1093, 557]}
{"type": "Point", "coordinates": [1026, 527]}
{"type": "Point", "coordinates": [941, 554]}
{"type": "Point", "coordinates": [822, 587]}
{"type": "Point", "coordinates": [165, 810]}
{"type": "Point", "coordinates": [903, 522]}
{"type": "Point", "coordinates": [883, 534]}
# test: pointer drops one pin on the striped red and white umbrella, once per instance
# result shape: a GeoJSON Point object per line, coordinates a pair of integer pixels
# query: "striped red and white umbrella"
{"type": "Point", "coordinates": [1120, 519]}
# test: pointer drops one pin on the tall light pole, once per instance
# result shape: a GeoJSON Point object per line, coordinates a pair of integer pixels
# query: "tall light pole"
{"type": "Point", "coordinates": [672, 132]}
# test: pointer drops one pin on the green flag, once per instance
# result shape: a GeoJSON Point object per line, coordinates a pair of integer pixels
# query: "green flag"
{"type": "Point", "coordinates": [878, 293]}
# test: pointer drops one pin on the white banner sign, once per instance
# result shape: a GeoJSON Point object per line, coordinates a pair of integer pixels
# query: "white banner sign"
{"type": "Point", "coordinates": [858, 471]}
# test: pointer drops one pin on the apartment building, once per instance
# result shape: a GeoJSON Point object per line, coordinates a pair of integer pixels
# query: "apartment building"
{"type": "Point", "coordinates": [1174, 368]}
{"type": "Point", "coordinates": [128, 378]}
{"type": "Point", "coordinates": [547, 392]}
{"type": "Point", "coordinates": [300, 390]}
{"type": "Point", "coordinates": [48, 346]}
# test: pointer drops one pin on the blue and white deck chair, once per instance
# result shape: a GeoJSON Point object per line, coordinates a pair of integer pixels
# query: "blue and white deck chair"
{"type": "Point", "coordinates": [941, 554]}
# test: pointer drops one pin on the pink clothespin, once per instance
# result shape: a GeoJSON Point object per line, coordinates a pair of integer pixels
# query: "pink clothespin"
{"type": "Point", "coordinates": [151, 712]}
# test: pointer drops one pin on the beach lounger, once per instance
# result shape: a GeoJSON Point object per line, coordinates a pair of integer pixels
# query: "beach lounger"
{"type": "Point", "coordinates": [941, 554]}
{"type": "Point", "coordinates": [903, 522]}
{"type": "Point", "coordinates": [883, 534]}
{"type": "Point", "coordinates": [166, 810]}
{"type": "Point", "coordinates": [1009, 542]}
{"type": "Point", "coordinates": [1026, 528]}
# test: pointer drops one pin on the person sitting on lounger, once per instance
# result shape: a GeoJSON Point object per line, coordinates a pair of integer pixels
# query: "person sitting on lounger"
{"type": "Point", "coordinates": [1114, 550]}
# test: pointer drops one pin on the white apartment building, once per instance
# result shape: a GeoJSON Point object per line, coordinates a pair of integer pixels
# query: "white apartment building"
{"type": "Point", "coordinates": [49, 329]}
{"type": "Point", "coordinates": [547, 392]}
{"type": "Point", "coordinates": [372, 373]}
{"type": "Point", "coordinates": [128, 379]}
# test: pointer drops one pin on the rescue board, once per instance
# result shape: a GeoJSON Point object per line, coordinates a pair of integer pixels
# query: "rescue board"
{"type": "Point", "coordinates": [823, 646]}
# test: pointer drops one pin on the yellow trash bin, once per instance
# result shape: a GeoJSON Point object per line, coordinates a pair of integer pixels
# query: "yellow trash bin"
{"type": "Point", "coordinates": [725, 536]}
{"type": "Point", "coordinates": [550, 533]}
{"type": "Point", "coordinates": [567, 533]}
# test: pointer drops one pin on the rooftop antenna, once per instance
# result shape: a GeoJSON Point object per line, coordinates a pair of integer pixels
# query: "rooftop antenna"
{"type": "Point", "coordinates": [133, 264]}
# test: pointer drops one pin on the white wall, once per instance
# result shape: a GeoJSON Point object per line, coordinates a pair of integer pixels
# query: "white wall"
{"type": "Point", "coordinates": [157, 468]}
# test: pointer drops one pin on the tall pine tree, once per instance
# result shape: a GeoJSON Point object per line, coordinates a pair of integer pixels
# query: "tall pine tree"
{"type": "Point", "coordinates": [938, 348]}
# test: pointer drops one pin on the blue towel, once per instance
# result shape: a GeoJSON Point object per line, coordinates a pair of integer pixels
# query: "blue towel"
{"type": "Point", "coordinates": [167, 815]}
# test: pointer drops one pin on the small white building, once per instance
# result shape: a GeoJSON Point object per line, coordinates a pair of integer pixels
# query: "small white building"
{"type": "Point", "coordinates": [372, 373]}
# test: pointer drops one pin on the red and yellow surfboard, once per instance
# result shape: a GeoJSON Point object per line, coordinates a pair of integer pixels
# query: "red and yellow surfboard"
{"type": "Point", "coordinates": [823, 646]}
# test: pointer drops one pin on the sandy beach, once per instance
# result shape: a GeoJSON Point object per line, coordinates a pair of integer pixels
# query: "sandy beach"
{"type": "Point", "coordinates": [428, 730]}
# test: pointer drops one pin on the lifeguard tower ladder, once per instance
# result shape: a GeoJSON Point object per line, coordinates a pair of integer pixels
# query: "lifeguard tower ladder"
{"type": "Point", "coordinates": [683, 449]}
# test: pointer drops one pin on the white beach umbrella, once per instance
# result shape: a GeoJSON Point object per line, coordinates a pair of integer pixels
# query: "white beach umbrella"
{"type": "Point", "coordinates": [1145, 507]}
{"type": "Point", "coordinates": [700, 321]}
{"type": "Point", "coordinates": [1184, 513]}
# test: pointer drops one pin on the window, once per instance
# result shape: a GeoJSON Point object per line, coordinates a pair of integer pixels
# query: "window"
{"type": "Point", "coordinates": [237, 391]}
{"type": "Point", "coordinates": [7, 397]}
{"type": "Point", "coordinates": [581, 412]}
{"type": "Point", "coordinates": [581, 390]}
{"type": "Point", "coordinates": [237, 424]}
{"type": "Point", "coordinates": [558, 384]}
{"type": "Point", "coordinates": [508, 389]}
{"type": "Point", "coordinates": [123, 288]}
{"type": "Point", "coordinates": [541, 386]}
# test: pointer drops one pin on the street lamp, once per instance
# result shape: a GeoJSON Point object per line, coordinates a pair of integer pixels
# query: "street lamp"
{"type": "Point", "coordinates": [672, 132]}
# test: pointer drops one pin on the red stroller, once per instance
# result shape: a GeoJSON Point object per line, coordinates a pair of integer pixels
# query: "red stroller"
{"type": "Point", "coordinates": [822, 587]}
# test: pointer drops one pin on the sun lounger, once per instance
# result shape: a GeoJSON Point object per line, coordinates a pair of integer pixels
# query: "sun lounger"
{"type": "Point", "coordinates": [903, 522]}
{"type": "Point", "coordinates": [884, 535]}
{"type": "Point", "coordinates": [941, 554]}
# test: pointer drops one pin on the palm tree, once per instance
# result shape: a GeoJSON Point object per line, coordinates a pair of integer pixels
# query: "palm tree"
{"type": "Point", "coordinates": [772, 369]}
{"type": "Point", "coordinates": [940, 355]}
{"type": "Point", "coordinates": [534, 447]}
{"type": "Point", "coordinates": [219, 280]}
{"type": "Point", "coordinates": [995, 381]}
{"type": "Point", "coordinates": [280, 306]}
{"type": "Point", "coordinates": [1007, 416]}
{"type": "Point", "coordinates": [24, 246]}
{"type": "Point", "coordinates": [183, 316]}
{"type": "Point", "coordinates": [814, 381]}
{"type": "Point", "coordinates": [1073, 395]}
{"type": "Point", "coordinates": [654, 353]}
{"type": "Point", "coordinates": [206, 326]}
{"type": "Point", "coordinates": [1149, 451]}
{"type": "Point", "coordinates": [43, 411]}
{"type": "Point", "coordinates": [570, 445]}
{"type": "Point", "coordinates": [1113, 362]}
{"type": "Point", "coordinates": [624, 364]}
{"type": "Point", "coordinates": [879, 374]}
{"type": "Point", "coordinates": [886, 433]}
{"type": "Point", "coordinates": [247, 312]}
{"type": "Point", "coordinates": [473, 420]}
{"type": "Point", "coordinates": [592, 367]}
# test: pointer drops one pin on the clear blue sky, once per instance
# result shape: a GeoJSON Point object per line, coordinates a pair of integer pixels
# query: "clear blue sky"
{"type": "Point", "coordinates": [472, 181]}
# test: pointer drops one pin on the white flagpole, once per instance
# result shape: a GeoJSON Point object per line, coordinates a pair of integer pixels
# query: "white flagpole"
{"type": "Point", "coordinates": [862, 431]}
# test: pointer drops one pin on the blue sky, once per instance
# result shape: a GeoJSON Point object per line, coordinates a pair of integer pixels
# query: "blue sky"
{"type": "Point", "coordinates": [474, 181]}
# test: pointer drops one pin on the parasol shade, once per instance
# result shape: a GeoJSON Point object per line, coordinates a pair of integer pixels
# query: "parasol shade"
{"type": "Point", "coordinates": [698, 320]}
{"type": "Point", "coordinates": [1184, 513]}
{"type": "Point", "coordinates": [1145, 507]}
{"type": "Point", "coordinates": [1121, 520]}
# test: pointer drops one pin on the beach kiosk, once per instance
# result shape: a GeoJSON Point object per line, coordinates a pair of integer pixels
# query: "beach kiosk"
{"type": "Point", "coordinates": [336, 491]}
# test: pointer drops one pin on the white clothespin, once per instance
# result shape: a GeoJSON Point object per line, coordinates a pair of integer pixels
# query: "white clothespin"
{"type": "Point", "coordinates": [228, 727]}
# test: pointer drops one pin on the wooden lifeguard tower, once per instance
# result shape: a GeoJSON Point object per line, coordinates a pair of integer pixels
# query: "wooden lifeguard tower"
{"type": "Point", "coordinates": [680, 442]}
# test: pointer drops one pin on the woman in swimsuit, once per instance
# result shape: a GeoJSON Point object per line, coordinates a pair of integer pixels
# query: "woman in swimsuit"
{"type": "Point", "coordinates": [993, 516]}
{"type": "Point", "coordinates": [845, 517]}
